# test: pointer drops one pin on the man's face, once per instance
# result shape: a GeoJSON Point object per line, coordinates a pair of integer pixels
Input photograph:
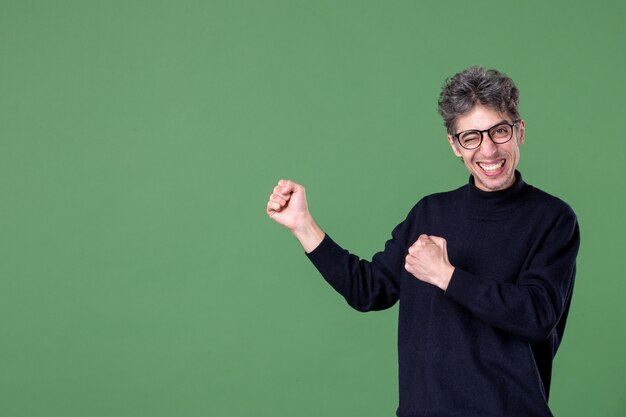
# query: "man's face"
{"type": "Point", "coordinates": [492, 165]}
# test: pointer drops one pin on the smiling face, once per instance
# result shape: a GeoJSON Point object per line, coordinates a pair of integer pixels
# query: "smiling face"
{"type": "Point", "coordinates": [492, 165]}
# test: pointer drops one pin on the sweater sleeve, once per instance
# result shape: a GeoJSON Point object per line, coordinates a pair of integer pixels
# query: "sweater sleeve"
{"type": "Point", "coordinates": [532, 306]}
{"type": "Point", "coordinates": [365, 285]}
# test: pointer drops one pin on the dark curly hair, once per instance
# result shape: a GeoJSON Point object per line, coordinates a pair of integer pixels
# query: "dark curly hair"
{"type": "Point", "coordinates": [477, 85]}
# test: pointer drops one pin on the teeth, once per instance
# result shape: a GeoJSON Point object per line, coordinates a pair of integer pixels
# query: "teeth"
{"type": "Point", "coordinates": [492, 167]}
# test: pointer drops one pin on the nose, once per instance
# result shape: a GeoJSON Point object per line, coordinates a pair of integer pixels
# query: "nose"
{"type": "Point", "coordinates": [487, 147]}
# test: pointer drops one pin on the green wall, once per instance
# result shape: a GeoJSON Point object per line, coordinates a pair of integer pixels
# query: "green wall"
{"type": "Point", "coordinates": [140, 140]}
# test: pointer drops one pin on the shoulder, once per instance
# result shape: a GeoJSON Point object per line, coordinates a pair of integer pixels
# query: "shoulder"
{"type": "Point", "coordinates": [444, 198]}
{"type": "Point", "coordinates": [553, 215]}
{"type": "Point", "coordinates": [435, 206]}
{"type": "Point", "coordinates": [549, 204]}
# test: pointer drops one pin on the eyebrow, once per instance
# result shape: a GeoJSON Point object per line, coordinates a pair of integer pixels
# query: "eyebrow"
{"type": "Point", "coordinates": [478, 130]}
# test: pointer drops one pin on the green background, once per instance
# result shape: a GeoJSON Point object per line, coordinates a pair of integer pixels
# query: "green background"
{"type": "Point", "coordinates": [140, 140]}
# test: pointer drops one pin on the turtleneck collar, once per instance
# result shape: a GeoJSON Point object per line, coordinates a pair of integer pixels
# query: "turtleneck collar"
{"type": "Point", "coordinates": [490, 201]}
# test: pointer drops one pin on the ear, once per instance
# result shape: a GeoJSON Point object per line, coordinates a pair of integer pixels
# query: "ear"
{"type": "Point", "coordinates": [522, 131]}
{"type": "Point", "coordinates": [454, 147]}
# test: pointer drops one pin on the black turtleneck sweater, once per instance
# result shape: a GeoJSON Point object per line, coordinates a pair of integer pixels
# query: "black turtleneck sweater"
{"type": "Point", "coordinates": [485, 346]}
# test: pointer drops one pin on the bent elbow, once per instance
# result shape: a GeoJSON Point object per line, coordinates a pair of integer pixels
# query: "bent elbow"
{"type": "Point", "coordinates": [371, 304]}
{"type": "Point", "coordinates": [539, 330]}
{"type": "Point", "coordinates": [538, 334]}
{"type": "Point", "coordinates": [542, 318]}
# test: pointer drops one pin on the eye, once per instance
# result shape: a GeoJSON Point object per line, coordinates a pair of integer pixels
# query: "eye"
{"type": "Point", "coordinates": [500, 131]}
{"type": "Point", "coordinates": [470, 138]}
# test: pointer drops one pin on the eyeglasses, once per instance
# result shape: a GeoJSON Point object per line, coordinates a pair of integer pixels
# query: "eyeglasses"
{"type": "Point", "coordinates": [500, 133]}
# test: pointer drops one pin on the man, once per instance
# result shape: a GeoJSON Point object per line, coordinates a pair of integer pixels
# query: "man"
{"type": "Point", "coordinates": [484, 273]}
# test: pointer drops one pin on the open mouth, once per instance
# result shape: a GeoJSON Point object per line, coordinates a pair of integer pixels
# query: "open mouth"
{"type": "Point", "coordinates": [492, 168]}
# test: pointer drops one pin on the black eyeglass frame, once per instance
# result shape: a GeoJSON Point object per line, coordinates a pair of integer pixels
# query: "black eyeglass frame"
{"type": "Point", "coordinates": [480, 132]}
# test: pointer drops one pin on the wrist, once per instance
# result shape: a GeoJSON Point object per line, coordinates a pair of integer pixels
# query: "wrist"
{"type": "Point", "coordinates": [308, 233]}
{"type": "Point", "coordinates": [446, 277]}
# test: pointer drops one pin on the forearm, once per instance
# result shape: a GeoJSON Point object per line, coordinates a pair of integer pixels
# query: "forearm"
{"type": "Point", "coordinates": [530, 310]}
{"type": "Point", "coordinates": [365, 285]}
